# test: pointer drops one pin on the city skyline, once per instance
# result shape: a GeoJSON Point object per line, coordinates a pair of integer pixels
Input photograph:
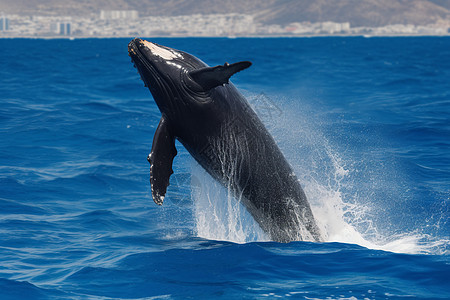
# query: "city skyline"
{"type": "Point", "coordinates": [128, 24]}
{"type": "Point", "coordinates": [103, 18]}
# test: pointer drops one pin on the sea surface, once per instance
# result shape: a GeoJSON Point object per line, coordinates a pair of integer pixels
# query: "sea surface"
{"type": "Point", "coordinates": [364, 122]}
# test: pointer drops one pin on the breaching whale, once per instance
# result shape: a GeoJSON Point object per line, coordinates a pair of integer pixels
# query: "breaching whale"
{"type": "Point", "coordinates": [215, 123]}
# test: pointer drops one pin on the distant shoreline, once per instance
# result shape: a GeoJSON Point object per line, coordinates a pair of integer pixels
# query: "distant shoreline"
{"type": "Point", "coordinates": [63, 37]}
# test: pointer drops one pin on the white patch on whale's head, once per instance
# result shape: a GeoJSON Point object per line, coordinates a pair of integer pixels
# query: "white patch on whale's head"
{"type": "Point", "coordinates": [164, 53]}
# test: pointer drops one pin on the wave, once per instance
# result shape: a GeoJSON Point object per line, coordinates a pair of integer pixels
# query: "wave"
{"type": "Point", "coordinates": [262, 270]}
{"type": "Point", "coordinates": [14, 290]}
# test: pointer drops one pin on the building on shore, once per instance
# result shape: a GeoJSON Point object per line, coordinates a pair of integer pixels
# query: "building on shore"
{"type": "Point", "coordinates": [4, 23]}
{"type": "Point", "coordinates": [60, 28]}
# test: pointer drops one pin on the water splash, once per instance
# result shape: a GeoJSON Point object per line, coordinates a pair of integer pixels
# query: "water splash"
{"type": "Point", "coordinates": [344, 209]}
{"type": "Point", "coordinates": [218, 215]}
{"type": "Point", "coordinates": [325, 177]}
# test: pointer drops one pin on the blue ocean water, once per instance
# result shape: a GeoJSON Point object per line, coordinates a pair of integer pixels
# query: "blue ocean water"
{"type": "Point", "coordinates": [365, 123]}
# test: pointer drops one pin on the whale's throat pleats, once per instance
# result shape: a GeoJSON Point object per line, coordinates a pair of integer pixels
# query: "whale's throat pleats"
{"type": "Point", "coordinates": [161, 159]}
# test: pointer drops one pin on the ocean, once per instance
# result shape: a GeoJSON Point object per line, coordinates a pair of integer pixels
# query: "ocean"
{"type": "Point", "coordinates": [364, 122]}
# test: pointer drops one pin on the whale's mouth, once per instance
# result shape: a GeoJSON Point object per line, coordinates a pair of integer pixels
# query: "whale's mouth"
{"type": "Point", "coordinates": [135, 51]}
{"type": "Point", "coordinates": [145, 60]}
{"type": "Point", "coordinates": [141, 62]}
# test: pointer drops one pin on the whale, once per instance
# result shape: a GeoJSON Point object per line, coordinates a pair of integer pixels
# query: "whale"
{"type": "Point", "coordinates": [206, 113]}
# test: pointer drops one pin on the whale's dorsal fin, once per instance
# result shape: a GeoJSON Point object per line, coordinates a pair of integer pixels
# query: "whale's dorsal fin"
{"type": "Point", "coordinates": [211, 77]}
{"type": "Point", "coordinates": [161, 159]}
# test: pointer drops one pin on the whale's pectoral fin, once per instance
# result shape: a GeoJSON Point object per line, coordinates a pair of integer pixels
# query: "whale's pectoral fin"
{"type": "Point", "coordinates": [161, 159]}
{"type": "Point", "coordinates": [212, 77]}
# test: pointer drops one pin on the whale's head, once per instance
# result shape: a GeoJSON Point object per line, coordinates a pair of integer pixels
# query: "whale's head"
{"type": "Point", "coordinates": [175, 78]}
{"type": "Point", "coordinates": [164, 71]}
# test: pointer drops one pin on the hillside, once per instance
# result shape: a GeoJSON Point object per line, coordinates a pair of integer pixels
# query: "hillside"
{"type": "Point", "coordinates": [358, 12]}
